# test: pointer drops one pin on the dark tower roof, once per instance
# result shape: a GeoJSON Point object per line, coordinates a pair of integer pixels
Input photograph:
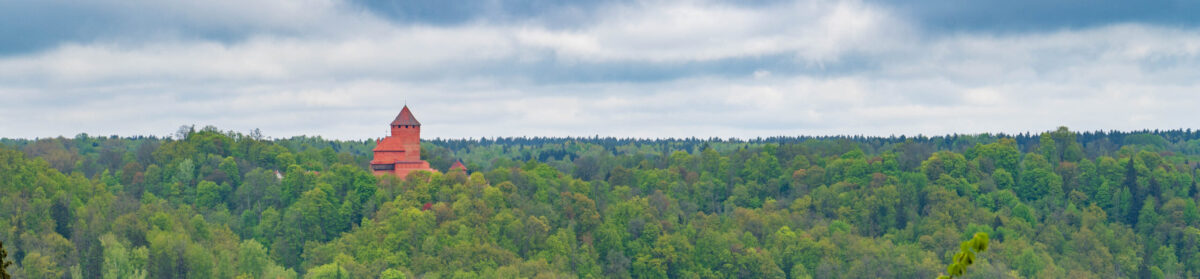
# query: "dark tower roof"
{"type": "Point", "coordinates": [406, 118]}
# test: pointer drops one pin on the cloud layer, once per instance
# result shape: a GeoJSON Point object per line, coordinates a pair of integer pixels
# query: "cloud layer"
{"type": "Point", "coordinates": [620, 68]}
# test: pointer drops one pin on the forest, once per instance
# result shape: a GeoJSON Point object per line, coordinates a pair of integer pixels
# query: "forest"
{"type": "Point", "coordinates": [208, 203]}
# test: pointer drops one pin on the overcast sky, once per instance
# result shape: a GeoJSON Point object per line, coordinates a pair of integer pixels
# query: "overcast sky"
{"type": "Point", "coordinates": [344, 69]}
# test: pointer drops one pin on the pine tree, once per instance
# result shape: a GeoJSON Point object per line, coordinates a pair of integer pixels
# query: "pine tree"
{"type": "Point", "coordinates": [1154, 189]}
{"type": "Point", "coordinates": [1192, 191]}
{"type": "Point", "coordinates": [1131, 214]}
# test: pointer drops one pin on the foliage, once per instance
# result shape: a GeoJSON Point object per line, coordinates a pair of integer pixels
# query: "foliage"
{"type": "Point", "coordinates": [966, 255]}
{"type": "Point", "coordinates": [213, 204]}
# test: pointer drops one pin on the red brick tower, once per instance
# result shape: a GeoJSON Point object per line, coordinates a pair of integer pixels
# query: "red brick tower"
{"type": "Point", "coordinates": [400, 153]}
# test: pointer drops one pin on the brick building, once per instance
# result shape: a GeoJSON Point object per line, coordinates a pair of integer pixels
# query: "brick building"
{"type": "Point", "coordinates": [400, 153]}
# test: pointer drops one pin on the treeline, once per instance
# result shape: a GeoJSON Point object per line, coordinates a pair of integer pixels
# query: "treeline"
{"type": "Point", "coordinates": [218, 204]}
{"type": "Point", "coordinates": [1100, 139]}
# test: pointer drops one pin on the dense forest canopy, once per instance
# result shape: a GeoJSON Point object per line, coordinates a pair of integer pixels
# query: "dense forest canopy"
{"type": "Point", "coordinates": [216, 204]}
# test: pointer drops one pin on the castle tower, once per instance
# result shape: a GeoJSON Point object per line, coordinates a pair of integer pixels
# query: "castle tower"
{"type": "Point", "coordinates": [400, 153]}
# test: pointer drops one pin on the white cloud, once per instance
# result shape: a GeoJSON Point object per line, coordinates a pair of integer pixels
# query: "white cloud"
{"type": "Point", "coordinates": [347, 76]}
{"type": "Point", "coordinates": [350, 43]}
{"type": "Point", "coordinates": [701, 31]}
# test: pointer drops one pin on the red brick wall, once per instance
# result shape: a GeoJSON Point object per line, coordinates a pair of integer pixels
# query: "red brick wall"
{"type": "Point", "coordinates": [410, 140]}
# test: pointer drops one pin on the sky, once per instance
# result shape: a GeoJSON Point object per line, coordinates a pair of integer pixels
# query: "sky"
{"type": "Point", "coordinates": [622, 68]}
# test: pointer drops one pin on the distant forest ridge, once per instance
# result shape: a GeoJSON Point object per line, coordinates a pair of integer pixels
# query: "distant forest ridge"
{"type": "Point", "coordinates": [483, 153]}
{"type": "Point", "coordinates": [1094, 142]}
{"type": "Point", "coordinates": [1114, 136]}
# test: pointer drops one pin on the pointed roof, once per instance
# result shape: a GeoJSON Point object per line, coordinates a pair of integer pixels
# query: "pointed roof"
{"type": "Point", "coordinates": [406, 118]}
{"type": "Point", "coordinates": [458, 165]}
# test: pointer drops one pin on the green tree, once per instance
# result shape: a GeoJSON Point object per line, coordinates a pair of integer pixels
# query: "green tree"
{"type": "Point", "coordinates": [392, 274]}
{"type": "Point", "coordinates": [945, 162]}
{"type": "Point", "coordinates": [199, 261]}
{"type": "Point", "coordinates": [1003, 179]}
{"type": "Point", "coordinates": [252, 259]}
{"type": "Point", "coordinates": [208, 194]}
{"type": "Point", "coordinates": [167, 251]}
{"type": "Point", "coordinates": [185, 171]}
{"type": "Point", "coordinates": [1002, 155]}
{"type": "Point", "coordinates": [327, 271]}
{"type": "Point", "coordinates": [259, 189]}
{"type": "Point", "coordinates": [36, 265]}
{"type": "Point", "coordinates": [1040, 183]}
{"type": "Point", "coordinates": [1047, 148]}
{"type": "Point", "coordinates": [275, 271]}
{"type": "Point", "coordinates": [120, 262]}
{"type": "Point", "coordinates": [229, 167]}
{"type": "Point", "coordinates": [294, 183]}
{"type": "Point", "coordinates": [761, 167]}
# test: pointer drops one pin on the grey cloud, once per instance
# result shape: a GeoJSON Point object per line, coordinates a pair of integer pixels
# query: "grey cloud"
{"type": "Point", "coordinates": [35, 26]}
{"type": "Point", "coordinates": [638, 69]}
{"type": "Point", "coordinates": [32, 26]}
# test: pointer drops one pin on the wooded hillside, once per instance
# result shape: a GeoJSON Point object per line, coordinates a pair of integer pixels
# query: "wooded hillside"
{"type": "Point", "coordinates": [216, 204]}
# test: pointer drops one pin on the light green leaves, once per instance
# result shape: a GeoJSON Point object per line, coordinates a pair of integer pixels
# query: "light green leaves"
{"type": "Point", "coordinates": [966, 255]}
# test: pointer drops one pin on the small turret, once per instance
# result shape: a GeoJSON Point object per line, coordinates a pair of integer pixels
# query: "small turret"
{"type": "Point", "coordinates": [458, 166]}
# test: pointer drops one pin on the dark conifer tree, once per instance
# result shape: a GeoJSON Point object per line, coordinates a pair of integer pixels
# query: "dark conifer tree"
{"type": "Point", "coordinates": [1193, 189]}
{"type": "Point", "coordinates": [1154, 190]}
{"type": "Point", "coordinates": [1138, 195]}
